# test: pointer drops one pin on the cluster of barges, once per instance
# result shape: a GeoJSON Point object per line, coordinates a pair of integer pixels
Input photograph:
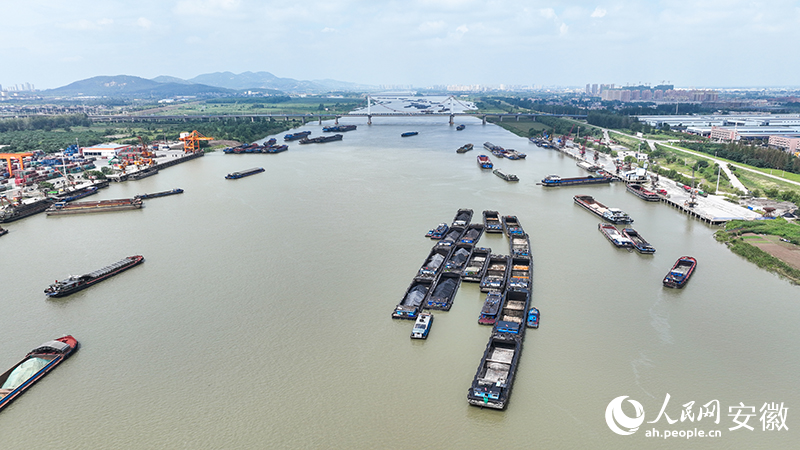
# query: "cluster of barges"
{"type": "Point", "coordinates": [501, 152]}
{"type": "Point", "coordinates": [270, 146]}
{"type": "Point", "coordinates": [507, 283]}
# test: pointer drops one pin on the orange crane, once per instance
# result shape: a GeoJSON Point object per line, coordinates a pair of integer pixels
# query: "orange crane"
{"type": "Point", "coordinates": [18, 156]}
{"type": "Point", "coordinates": [191, 141]}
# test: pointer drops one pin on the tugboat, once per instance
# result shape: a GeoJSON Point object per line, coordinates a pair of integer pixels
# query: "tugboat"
{"type": "Point", "coordinates": [36, 364]}
{"type": "Point", "coordinates": [74, 284]}
{"type": "Point", "coordinates": [533, 318]}
{"type": "Point", "coordinates": [438, 232]}
{"type": "Point", "coordinates": [422, 326]}
{"type": "Point", "coordinates": [679, 275]}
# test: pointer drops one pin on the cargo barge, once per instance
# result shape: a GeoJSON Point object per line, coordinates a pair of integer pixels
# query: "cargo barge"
{"type": "Point", "coordinates": [613, 215]}
{"type": "Point", "coordinates": [491, 222]}
{"type": "Point", "coordinates": [433, 263]}
{"type": "Point", "coordinates": [458, 259]}
{"type": "Point", "coordinates": [338, 128]}
{"type": "Point", "coordinates": [34, 366]}
{"type": "Point", "coordinates": [639, 243]}
{"type": "Point", "coordinates": [680, 273]}
{"type": "Point", "coordinates": [160, 194]}
{"type": "Point", "coordinates": [513, 314]}
{"type": "Point", "coordinates": [244, 173]}
{"type": "Point", "coordinates": [520, 275]}
{"type": "Point", "coordinates": [296, 136]}
{"type": "Point", "coordinates": [144, 173]}
{"type": "Point", "coordinates": [491, 307]}
{"type": "Point", "coordinates": [120, 204]}
{"type": "Point", "coordinates": [476, 266]}
{"type": "Point", "coordinates": [472, 234]}
{"type": "Point", "coordinates": [464, 148]}
{"type": "Point", "coordinates": [614, 236]}
{"type": "Point", "coordinates": [411, 304]}
{"type": "Point", "coordinates": [444, 291]}
{"type": "Point", "coordinates": [512, 227]}
{"type": "Point", "coordinates": [494, 379]}
{"type": "Point", "coordinates": [74, 284]}
{"type": "Point", "coordinates": [321, 139]}
{"type": "Point", "coordinates": [555, 180]}
{"type": "Point", "coordinates": [496, 273]}
{"type": "Point", "coordinates": [484, 162]}
{"type": "Point", "coordinates": [644, 194]}
{"type": "Point", "coordinates": [505, 176]}
{"type": "Point", "coordinates": [20, 210]}
{"type": "Point", "coordinates": [463, 218]}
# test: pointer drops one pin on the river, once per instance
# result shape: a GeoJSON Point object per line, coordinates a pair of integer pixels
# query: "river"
{"type": "Point", "coordinates": [261, 317]}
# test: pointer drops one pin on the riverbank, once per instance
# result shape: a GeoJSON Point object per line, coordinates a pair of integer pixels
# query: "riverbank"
{"type": "Point", "coordinates": [769, 244]}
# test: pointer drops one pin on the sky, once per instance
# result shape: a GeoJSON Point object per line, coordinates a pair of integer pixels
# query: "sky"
{"type": "Point", "coordinates": [421, 43]}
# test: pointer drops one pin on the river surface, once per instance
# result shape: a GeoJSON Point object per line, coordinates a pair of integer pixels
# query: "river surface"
{"type": "Point", "coordinates": [261, 317]}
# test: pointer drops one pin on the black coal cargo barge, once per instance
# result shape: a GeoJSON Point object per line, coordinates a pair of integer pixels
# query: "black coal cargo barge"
{"type": "Point", "coordinates": [74, 284]}
{"type": "Point", "coordinates": [244, 173]}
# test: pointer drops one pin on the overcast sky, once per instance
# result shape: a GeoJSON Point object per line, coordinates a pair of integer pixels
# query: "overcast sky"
{"type": "Point", "coordinates": [689, 43]}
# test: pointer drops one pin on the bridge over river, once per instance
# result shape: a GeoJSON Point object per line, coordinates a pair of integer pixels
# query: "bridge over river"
{"type": "Point", "coordinates": [318, 116]}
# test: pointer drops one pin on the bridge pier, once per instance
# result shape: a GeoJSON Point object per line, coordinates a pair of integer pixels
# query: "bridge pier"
{"type": "Point", "coordinates": [369, 119]}
{"type": "Point", "coordinates": [320, 120]}
{"type": "Point", "coordinates": [451, 120]}
{"type": "Point", "coordinates": [483, 119]}
{"type": "Point", "coordinates": [336, 120]}
{"type": "Point", "coordinates": [517, 117]}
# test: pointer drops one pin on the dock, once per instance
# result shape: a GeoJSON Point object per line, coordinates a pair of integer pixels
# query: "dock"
{"type": "Point", "coordinates": [166, 162]}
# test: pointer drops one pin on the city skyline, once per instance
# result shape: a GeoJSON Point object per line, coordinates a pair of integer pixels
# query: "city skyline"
{"type": "Point", "coordinates": [419, 43]}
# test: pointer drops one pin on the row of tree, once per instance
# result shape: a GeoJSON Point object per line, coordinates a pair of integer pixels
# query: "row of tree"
{"type": "Point", "coordinates": [763, 157]}
{"type": "Point", "coordinates": [46, 123]}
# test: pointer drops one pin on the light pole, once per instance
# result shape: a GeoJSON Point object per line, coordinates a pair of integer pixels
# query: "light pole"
{"type": "Point", "coordinates": [719, 168]}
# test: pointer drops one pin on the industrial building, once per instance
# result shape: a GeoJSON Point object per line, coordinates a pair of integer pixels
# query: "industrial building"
{"type": "Point", "coordinates": [105, 151]}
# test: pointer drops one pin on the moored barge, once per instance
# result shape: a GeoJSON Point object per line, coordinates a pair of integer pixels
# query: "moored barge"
{"type": "Point", "coordinates": [444, 292]}
{"type": "Point", "coordinates": [496, 273]}
{"type": "Point", "coordinates": [338, 128]}
{"type": "Point", "coordinates": [491, 222]}
{"type": "Point", "coordinates": [244, 173]}
{"type": "Point", "coordinates": [484, 162]}
{"type": "Point", "coordinates": [494, 379]}
{"type": "Point", "coordinates": [438, 232]}
{"type": "Point", "coordinates": [34, 366]}
{"type": "Point", "coordinates": [463, 218]}
{"type": "Point", "coordinates": [472, 234]}
{"type": "Point", "coordinates": [74, 284]}
{"type": "Point", "coordinates": [433, 263]}
{"type": "Point", "coordinates": [520, 274]}
{"type": "Point", "coordinates": [639, 191]}
{"type": "Point", "coordinates": [321, 139]}
{"type": "Point", "coordinates": [458, 259]}
{"type": "Point", "coordinates": [555, 180]}
{"type": "Point", "coordinates": [120, 204]}
{"type": "Point", "coordinates": [613, 215]}
{"type": "Point", "coordinates": [476, 265]}
{"type": "Point", "coordinates": [491, 308]}
{"type": "Point", "coordinates": [21, 209]}
{"type": "Point", "coordinates": [411, 304]}
{"type": "Point", "coordinates": [512, 227]}
{"type": "Point", "coordinates": [513, 314]}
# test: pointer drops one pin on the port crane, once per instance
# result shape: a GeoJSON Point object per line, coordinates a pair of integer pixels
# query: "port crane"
{"type": "Point", "coordinates": [11, 156]}
{"type": "Point", "coordinates": [191, 141]}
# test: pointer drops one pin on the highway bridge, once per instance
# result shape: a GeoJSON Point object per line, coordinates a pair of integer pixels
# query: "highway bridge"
{"type": "Point", "coordinates": [122, 118]}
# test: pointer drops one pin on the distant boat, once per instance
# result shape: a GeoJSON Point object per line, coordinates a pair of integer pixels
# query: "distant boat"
{"type": "Point", "coordinates": [460, 127]}
{"type": "Point", "coordinates": [409, 133]}
{"type": "Point", "coordinates": [422, 326]}
{"type": "Point", "coordinates": [614, 236]}
{"type": "Point", "coordinates": [485, 162]}
{"type": "Point", "coordinates": [296, 136]}
{"type": "Point", "coordinates": [505, 176]}
{"type": "Point", "coordinates": [679, 275]}
{"type": "Point", "coordinates": [464, 148]}
{"type": "Point", "coordinates": [533, 318]}
{"type": "Point", "coordinates": [244, 173]}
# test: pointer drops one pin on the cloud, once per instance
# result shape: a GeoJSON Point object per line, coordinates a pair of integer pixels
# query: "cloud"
{"type": "Point", "coordinates": [462, 29]}
{"type": "Point", "coordinates": [547, 13]}
{"type": "Point", "coordinates": [84, 24]}
{"type": "Point", "coordinates": [599, 12]}
{"type": "Point", "coordinates": [432, 27]}
{"type": "Point", "coordinates": [205, 7]}
{"type": "Point", "coordinates": [562, 30]}
{"type": "Point", "coordinates": [328, 30]}
{"type": "Point", "coordinates": [144, 23]}
{"type": "Point", "coordinates": [105, 21]}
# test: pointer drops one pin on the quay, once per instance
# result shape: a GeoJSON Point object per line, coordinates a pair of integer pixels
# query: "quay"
{"type": "Point", "coordinates": [165, 161]}
{"type": "Point", "coordinates": [714, 210]}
